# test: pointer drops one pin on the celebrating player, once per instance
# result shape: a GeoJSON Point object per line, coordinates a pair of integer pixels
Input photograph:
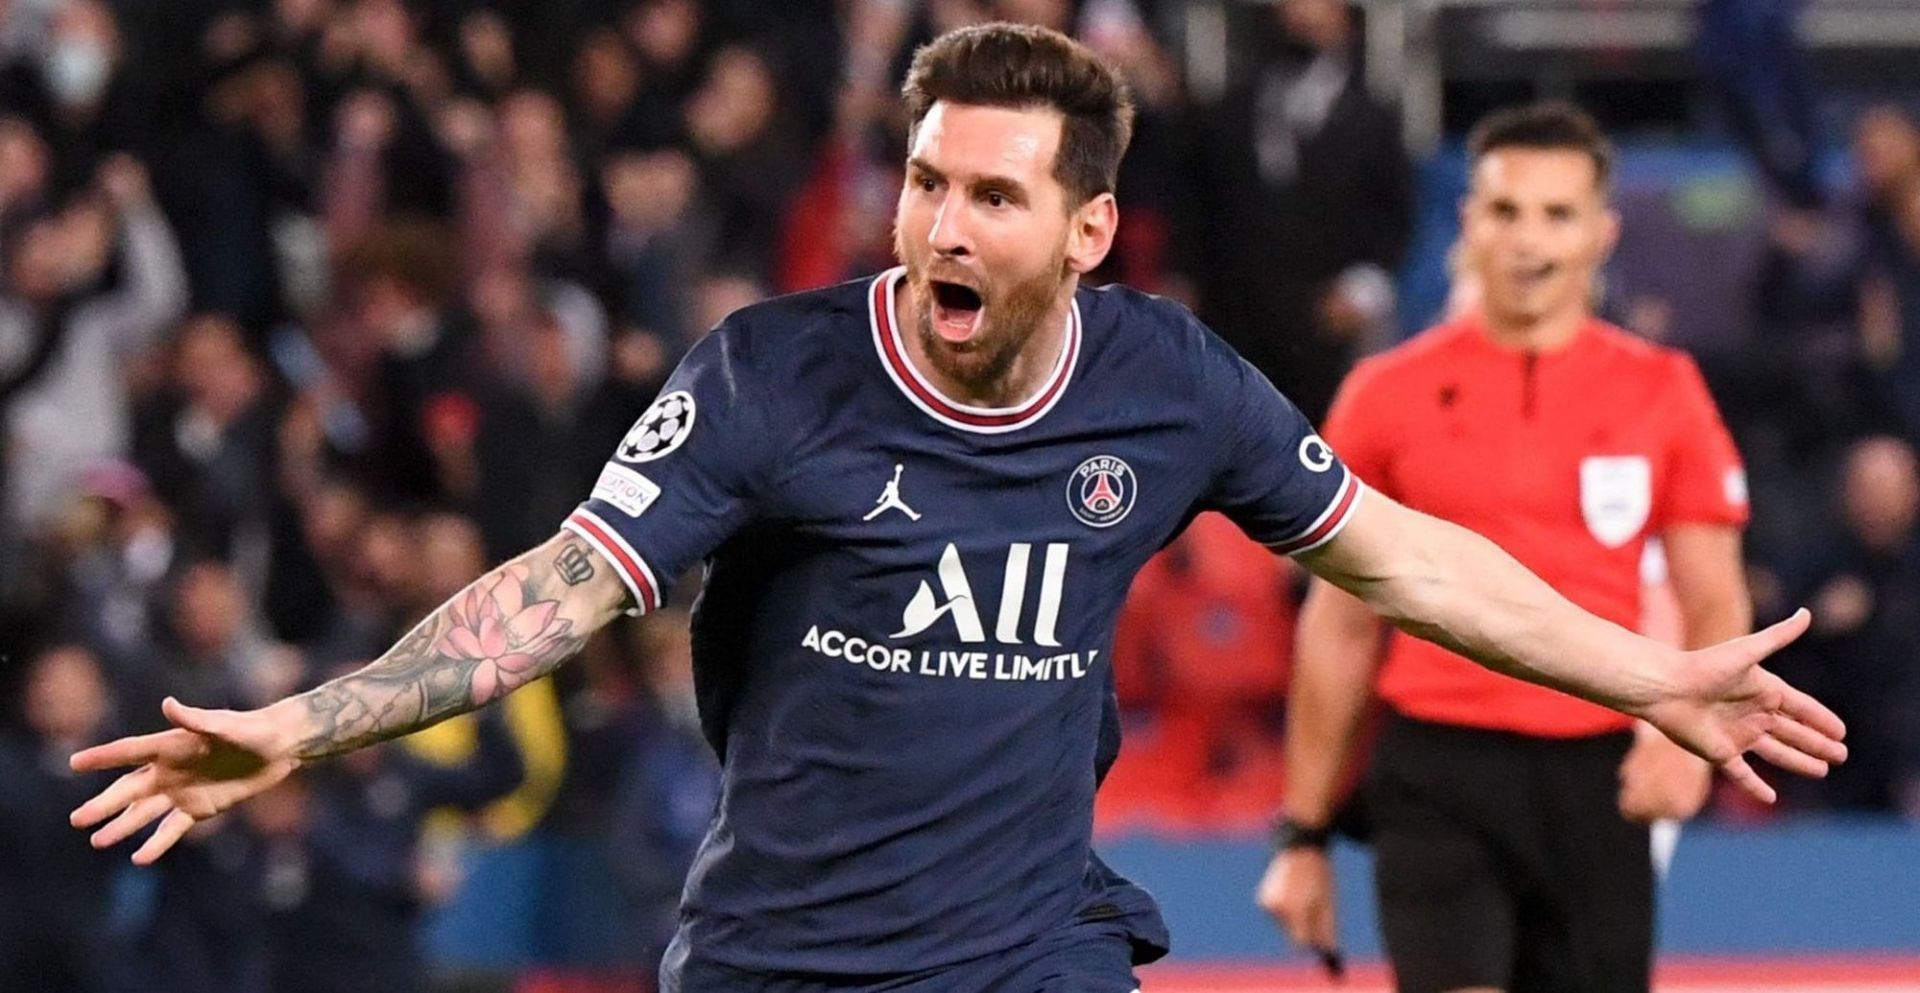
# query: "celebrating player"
{"type": "Point", "coordinates": [913, 710]}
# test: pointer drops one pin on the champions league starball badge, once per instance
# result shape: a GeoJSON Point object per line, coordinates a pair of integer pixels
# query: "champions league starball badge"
{"type": "Point", "coordinates": [1101, 491]}
{"type": "Point", "coordinates": [660, 430]}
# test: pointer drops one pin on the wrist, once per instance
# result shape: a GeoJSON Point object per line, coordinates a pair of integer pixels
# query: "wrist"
{"type": "Point", "coordinates": [289, 718]}
{"type": "Point", "coordinates": [1656, 679]}
{"type": "Point", "coordinates": [1291, 834]}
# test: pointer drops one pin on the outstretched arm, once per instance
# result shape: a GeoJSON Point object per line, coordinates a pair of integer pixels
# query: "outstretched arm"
{"type": "Point", "coordinates": [511, 626]}
{"type": "Point", "coordinates": [1448, 585]}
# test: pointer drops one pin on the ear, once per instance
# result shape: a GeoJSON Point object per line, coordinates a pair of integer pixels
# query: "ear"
{"type": "Point", "coordinates": [1609, 232]}
{"type": "Point", "coordinates": [1090, 232]}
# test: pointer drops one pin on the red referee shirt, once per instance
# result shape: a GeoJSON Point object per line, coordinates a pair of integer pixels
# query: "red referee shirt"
{"type": "Point", "coordinates": [1569, 459]}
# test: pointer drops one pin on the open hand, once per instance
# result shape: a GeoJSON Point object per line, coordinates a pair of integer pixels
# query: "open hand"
{"type": "Point", "coordinates": [1725, 706]}
{"type": "Point", "coordinates": [207, 762]}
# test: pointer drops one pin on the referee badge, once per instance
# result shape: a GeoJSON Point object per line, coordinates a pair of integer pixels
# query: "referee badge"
{"type": "Point", "coordinates": [1616, 495]}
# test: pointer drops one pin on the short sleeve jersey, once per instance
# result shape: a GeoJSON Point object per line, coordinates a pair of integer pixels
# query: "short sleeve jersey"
{"type": "Point", "coordinates": [901, 647]}
{"type": "Point", "coordinates": [1568, 459]}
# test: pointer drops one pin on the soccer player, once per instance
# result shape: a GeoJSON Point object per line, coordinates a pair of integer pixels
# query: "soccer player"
{"type": "Point", "coordinates": [913, 709]}
{"type": "Point", "coordinates": [1510, 821]}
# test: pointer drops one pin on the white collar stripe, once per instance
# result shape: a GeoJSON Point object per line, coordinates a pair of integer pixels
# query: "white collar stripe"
{"type": "Point", "coordinates": [982, 420]}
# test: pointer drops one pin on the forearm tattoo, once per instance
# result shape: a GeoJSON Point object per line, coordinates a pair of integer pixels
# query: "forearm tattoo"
{"type": "Point", "coordinates": [495, 636]}
{"type": "Point", "coordinates": [574, 564]}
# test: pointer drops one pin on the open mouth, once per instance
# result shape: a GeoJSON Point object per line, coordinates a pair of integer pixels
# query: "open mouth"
{"type": "Point", "coordinates": [956, 310]}
{"type": "Point", "coordinates": [1534, 274]}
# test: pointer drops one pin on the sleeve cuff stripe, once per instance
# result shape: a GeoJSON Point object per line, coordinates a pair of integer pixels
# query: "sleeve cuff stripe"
{"type": "Point", "coordinates": [1330, 522]}
{"type": "Point", "coordinates": [631, 567]}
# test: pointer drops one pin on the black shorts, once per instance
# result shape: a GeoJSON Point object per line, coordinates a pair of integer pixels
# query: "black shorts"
{"type": "Point", "coordinates": [1502, 860]}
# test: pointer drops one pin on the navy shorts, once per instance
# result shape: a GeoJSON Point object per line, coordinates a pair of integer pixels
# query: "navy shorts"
{"type": "Point", "coordinates": [1084, 957]}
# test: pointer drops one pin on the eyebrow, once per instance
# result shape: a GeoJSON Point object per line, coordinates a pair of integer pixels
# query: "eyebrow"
{"type": "Point", "coordinates": [1508, 201]}
{"type": "Point", "coordinates": [1006, 183]}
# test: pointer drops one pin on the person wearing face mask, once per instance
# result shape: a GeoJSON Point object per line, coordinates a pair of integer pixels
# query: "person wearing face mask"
{"type": "Point", "coordinates": [1510, 821]}
{"type": "Point", "coordinates": [75, 89]}
{"type": "Point", "coordinates": [77, 72]}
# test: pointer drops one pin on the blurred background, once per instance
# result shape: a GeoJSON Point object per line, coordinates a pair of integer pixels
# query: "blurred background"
{"type": "Point", "coordinates": [310, 310]}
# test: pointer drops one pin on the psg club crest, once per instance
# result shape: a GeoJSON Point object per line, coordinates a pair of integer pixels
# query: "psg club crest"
{"type": "Point", "coordinates": [1101, 491]}
{"type": "Point", "coordinates": [660, 430]}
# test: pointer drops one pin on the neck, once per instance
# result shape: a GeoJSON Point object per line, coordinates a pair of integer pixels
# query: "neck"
{"type": "Point", "coordinates": [1022, 379]}
{"type": "Point", "coordinates": [1538, 334]}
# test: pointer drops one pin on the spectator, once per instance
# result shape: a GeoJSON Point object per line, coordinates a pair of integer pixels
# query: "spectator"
{"type": "Point", "coordinates": [1750, 50]}
{"type": "Point", "coordinates": [1890, 307]}
{"type": "Point", "coordinates": [659, 239]}
{"type": "Point", "coordinates": [545, 211]}
{"type": "Point", "coordinates": [671, 785]}
{"type": "Point", "coordinates": [400, 280]}
{"type": "Point", "coordinates": [488, 62]}
{"type": "Point", "coordinates": [1154, 187]}
{"type": "Point", "coordinates": [1864, 589]}
{"type": "Point", "coordinates": [244, 183]}
{"type": "Point", "coordinates": [113, 550]}
{"type": "Point", "coordinates": [350, 920]}
{"type": "Point", "coordinates": [23, 169]}
{"type": "Point", "coordinates": [64, 332]}
{"type": "Point", "coordinates": [207, 442]}
{"type": "Point", "coordinates": [1886, 150]}
{"type": "Point", "coordinates": [741, 140]}
{"type": "Point", "coordinates": [205, 926]}
{"type": "Point", "coordinates": [220, 651]}
{"type": "Point", "coordinates": [318, 592]}
{"type": "Point", "coordinates": [54, 932]}
{"type": "Point", "coordinates": [672, 39]}
{"type": "Point", "coordinates": [637, 367]}
{"type": "Point", "coordinates": [365, 556]}
{"type": "Point", "coordinates": [1303, 203]}
{"type": "Point", "coordinates": [840, 223]}
{"type": "Point", "coordinates": [605, 90]}
{"type": "Point", "coordinates": [1824, 362]}
{"type": "Point", "coordinates": [79, 94]}
{"type": "Point", "coordinates": [535, 441]}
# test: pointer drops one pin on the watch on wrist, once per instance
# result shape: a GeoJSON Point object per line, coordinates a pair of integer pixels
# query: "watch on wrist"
{"type": "Point", "coordinates": [1289, 834]}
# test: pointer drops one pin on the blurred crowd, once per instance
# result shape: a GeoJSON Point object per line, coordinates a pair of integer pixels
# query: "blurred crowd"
{"type": "Point", "coordinates": [312, 309]}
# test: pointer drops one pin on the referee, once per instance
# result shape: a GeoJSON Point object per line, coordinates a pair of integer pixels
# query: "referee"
{"type": "Point", "coordinates": [1510, 821]}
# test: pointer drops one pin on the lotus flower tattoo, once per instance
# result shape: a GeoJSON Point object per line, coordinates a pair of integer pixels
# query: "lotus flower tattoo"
{"type": "Point", "coordinates": [507, 638]}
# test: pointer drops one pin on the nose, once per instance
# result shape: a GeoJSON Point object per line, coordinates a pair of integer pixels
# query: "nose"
{"type": "Point", "coordinates": [950, 236]}
{"type": "Point", "coordinates": [1530, 233]}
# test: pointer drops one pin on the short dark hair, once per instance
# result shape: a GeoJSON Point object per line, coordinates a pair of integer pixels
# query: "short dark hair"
{"type": "Point", "coordinates": [1552, 125]}
{"type": "Point", "coordinates": [1022, 66]}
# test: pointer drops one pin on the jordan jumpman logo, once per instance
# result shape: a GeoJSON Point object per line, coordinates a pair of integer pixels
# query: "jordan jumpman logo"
{"type": "Point", "coordinates": [890, 499]}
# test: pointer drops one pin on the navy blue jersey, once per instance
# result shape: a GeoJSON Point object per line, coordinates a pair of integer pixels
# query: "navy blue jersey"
{"type": "Point", "coordinates": [901, 649]}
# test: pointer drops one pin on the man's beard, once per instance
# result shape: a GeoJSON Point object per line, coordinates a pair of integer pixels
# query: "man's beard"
{"type": "Point", "coordinates": [1012, 316]}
